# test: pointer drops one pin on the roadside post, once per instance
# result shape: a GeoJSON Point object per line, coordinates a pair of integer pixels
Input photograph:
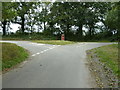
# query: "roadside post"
{"type": "Point", "coordinates": [62, 37]}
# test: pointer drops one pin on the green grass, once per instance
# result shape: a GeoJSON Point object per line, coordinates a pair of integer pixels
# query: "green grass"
{"type": "Point", "coordinates": [54, 42]}
{"type": "Point", "coordinates": [12, 55]}
{"type": "Point", "coordinates": [109, 55]}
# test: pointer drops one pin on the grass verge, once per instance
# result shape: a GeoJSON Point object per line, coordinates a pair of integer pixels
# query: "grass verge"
{"type": "Point", "coordinates": [54, 42]}
{"type": "Point", "coordinates": [109, 56]}
{"type": "Point", "coordinates": [103, 64]}
{"type": "Point", "coordinates": [12, 55]}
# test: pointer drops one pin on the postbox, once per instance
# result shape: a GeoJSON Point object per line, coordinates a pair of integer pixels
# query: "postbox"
{"type": "Point", "coordinates": [62, 37]}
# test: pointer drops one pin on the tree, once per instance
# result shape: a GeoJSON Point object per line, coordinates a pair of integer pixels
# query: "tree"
{"type": "Point", "coordinates": [113, 16]}
{"type": "Point", "coordinates": [22, 10]}
{"type": "Point", "coordinates": [8, 13]}
{"type": "Point", "coordinates": [79, 14]}
{"type": "Point", "coordinates": [30, 20]}
{"type": "Point", "coordinates": [61, 15]}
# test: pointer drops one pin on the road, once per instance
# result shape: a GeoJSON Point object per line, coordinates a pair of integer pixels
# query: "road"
{"type": "Point", "coordinates": [52, 66]}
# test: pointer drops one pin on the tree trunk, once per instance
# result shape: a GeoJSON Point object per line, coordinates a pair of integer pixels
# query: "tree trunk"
{"type": "Point", "coordinates": [23, 24]}
{"type": "Point", "coordinates": [67, 32]}
{"type": "Point", "coordinates": [90, 32]}
{"type": "Point", "coordinates": [38, 29]}
{"type": "Point", "coordinates": [68, 28]}
{"type": "Point", "coordinates": [44, 25]}
{"type": "Point", "coordinates": [4, 27]}
{"type": "Point", "coordinates": [80, 32]}
{"type": "Point", "coordinates": [31, 29]}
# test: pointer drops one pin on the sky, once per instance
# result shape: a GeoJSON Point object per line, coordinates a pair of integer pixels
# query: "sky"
{"type": "Point", "coordinates": [15, 27]}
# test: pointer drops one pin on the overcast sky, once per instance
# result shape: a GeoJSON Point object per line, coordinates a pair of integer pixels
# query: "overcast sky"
{"type": "Point", "coordinates": [15, 27]}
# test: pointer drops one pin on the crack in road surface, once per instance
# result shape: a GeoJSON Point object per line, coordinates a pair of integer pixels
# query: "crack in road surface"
{"type": "Point", "coordinates": [61, 67]}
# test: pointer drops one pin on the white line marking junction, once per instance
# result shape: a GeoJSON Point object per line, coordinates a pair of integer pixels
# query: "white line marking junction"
{"type": "Point", "coordinates": [54, 46]}
{"type": "Point", "coordinates": [81, 44]}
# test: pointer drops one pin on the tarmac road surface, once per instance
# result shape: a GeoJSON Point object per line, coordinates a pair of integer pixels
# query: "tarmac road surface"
{"type": "Point", "coordinates": [52, 66]}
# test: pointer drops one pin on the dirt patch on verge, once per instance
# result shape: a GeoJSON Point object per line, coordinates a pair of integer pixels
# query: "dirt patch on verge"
{"type": "Point", "coordinates": [104, 76]}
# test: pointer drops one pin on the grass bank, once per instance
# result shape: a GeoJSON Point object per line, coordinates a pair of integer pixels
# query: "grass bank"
{"type": "Point", "coordinates": [12, 55]}
{"type": "Point", "coordinates": [109, 55]}
{"type": "Point", "coordinates": [54, 42]}
{"type": "Point", "coordinates": [103, 64]}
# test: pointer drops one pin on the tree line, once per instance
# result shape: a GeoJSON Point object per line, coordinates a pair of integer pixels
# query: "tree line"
{"type": "Point", "coordinates": [79, 21]}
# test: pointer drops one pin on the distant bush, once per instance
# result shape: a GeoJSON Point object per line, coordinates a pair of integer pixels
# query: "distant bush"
{"type": "Point", "coordinates": [26, 36]}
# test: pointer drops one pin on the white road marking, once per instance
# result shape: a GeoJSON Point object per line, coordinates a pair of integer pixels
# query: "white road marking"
{"type": "Point", "coordinates": [40, 44]}
{"type": "Point", "coordinates": [81, 44]}
{"type": "Point", "coordinates": [46, 49]}
{"type": "Point", "coordinates": [9, 41]}
{"type": "Point", "coordinates": [23, 64]}
{"type": "Point", "coordinates": [51, 47]}
{"type": "Point", "coordinates": [58, 45]}
{"type": "Point", "coordinates": [42, 52]}
{"type": "Point", "coordinates": [37, 53]}
{"type": "Point", "coordinates": [36, 44]}
{"type": "Point", "coordinates": [33, 55]}
{"type": "Point", "coordinates": [31, 43]}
